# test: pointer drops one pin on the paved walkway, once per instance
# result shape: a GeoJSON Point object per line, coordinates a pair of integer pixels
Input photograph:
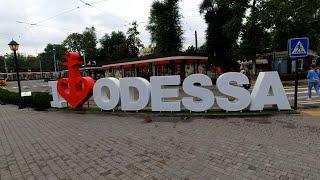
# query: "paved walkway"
{"type": "Point", "coordinates": [313, 112]}
{"type": "Point", "coordinates": [70, 145]}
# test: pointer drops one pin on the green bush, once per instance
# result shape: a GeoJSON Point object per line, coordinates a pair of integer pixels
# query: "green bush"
{"type": "Point", "coordinates": [46, 80]}
{"type": "Point", "coordinates": [291, 77]}
{"type": "Point", "coordinates": [41, 100]}
{"type": "Point", "coordinates": [38, 100]}
{"type": "Point", "coordinates": [9, 97]}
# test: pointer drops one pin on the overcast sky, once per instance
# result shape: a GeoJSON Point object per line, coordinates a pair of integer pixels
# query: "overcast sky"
{"type": "Point", "coordinates": [106, 16]}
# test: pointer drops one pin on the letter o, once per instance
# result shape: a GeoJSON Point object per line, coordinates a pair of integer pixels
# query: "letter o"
{"type": "Point", "coordinates": [100, 93]}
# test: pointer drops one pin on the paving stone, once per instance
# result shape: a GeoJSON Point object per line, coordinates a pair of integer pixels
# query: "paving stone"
{"type": "Point", "coordinates": [69, 145]}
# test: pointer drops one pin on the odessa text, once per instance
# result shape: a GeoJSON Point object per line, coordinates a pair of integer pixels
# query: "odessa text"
{"type": "Point", "coordinates": [108, 93]}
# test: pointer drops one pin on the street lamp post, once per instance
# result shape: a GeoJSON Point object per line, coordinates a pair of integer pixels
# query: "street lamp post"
{"type": "Point", "coordinates": [14, 46]}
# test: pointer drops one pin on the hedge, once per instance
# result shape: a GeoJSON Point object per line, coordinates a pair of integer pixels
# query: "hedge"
{"type": "Point", "coordinates": [291, 77]}
{"type": "Point", "coordinates": [38, 100]}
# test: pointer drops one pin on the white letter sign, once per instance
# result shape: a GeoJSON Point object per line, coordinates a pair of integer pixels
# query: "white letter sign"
{"type": "Point", "coordinates": [135, 93]}
{"type": "Point", "coordinates": [158, 93]}
{"type": "Point", "coordinates": [206, 96]}
{"type": "Point", "coordinates": [106, 93]}
{"type": "Point", "coordinates": [58, 101]}
{"type": "Point", "coordinates": [268, 82]}
{"type": "Point", "coordinates": [242, 95]}
{"type": "Point", "coordinates": [128, 103]}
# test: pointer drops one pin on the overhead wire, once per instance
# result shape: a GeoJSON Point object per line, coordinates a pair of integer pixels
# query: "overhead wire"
{"type": "Point", "coordinates": [62, 13]}
{"type": "Point", "coordinates": [90, 5]}
{"type": "Point", "coordinates": [52, 17]}
{"type": "Point", "coordinates": [78, 6]}
{"type": "Point", "coordinates": [25, 18]}
{"type": "Point", "coordinates": [30, 25]}
{"type": "Point", "coordinates": [68, 11]}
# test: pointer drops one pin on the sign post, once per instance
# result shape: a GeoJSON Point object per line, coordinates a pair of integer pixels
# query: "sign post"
{"type": "Point", "coordinates": [298, 48]}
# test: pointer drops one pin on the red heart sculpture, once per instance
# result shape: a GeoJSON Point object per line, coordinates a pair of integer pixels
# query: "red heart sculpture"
{"type": "Point", "coordinates": [76, 90]}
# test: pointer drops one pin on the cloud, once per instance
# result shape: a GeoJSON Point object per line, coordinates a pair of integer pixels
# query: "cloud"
{"type": "Point", "coordinates": [74, 16]}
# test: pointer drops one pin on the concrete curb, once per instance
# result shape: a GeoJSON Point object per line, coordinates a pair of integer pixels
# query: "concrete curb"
{"type": "Point", "coordinates": [209, 114]}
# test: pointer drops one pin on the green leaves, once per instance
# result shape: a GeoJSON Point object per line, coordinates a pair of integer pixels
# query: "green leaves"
{"type": "Point", "coordinates": [224, 19]}
{"type": "Point", "coordinates": [47, 60]}
{"type": "Point", "coordinates": [165, 26]}
{"type": "Point", "coordinates": [114, 47]}
{"type": "Point", "coordinates": [133, 42]}
{"type": "Point", "coordinates": [83, 43]}
{"type": "Point", "coordinates": [118, 46]}
{"type": "Point", "coordinates": [268, 26]}
{"type": "Point", "coordinates": [271, 23]}
{"type": "Point", "coordinates": [74, 42]}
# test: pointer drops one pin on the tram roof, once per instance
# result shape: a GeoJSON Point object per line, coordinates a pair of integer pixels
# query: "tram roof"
{"type": "Point", "coordinates": [158, 60]}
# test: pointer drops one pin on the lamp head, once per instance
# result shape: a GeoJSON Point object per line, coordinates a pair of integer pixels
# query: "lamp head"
{"type": "Point", "coordinates": [14, 46]}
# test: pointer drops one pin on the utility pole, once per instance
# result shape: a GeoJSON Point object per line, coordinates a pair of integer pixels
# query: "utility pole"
{"type": "Point", "coordinates": [196, 39]}
{"type": "Point", "coordinates": [84, 59]}
{"type": "Point", "coordinates": [54, 61]}
{"type": "Point", "coordinates": [58, 62]}
{"type": "Point", "coordinates": [40, 68]}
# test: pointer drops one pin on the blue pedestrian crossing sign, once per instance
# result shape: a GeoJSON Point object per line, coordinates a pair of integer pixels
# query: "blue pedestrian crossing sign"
{"type": "Point", "coordinates": [299, 47]}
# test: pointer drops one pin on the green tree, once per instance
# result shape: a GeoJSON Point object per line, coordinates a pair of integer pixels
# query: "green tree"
{"type": "Point", "coordinates": [113, 47]}
{"type": "Point", "coordinates": [89, 44]}
{"type": "Point", "coordinates": [133, 41]}
{"type": "Point", "coordinates": [2, 66]}
{"type": "Point", "coordinates": [25, 63]}
{"type": "Point", "coordinates": [47, 60]}
{"type": "Point", "coordinates": [165, 26]}
{"type": "Point", "coordinates": [224, 19]}
{"type": "Point", "coordinates": [9, 58]}
{"type": "Point", "coordinates": [287, 19]}
{"type": "Point", "coordinates": [74, 42]}
{"type": "Point", "coordinates": [191, 49]}
{"type": "Point", "coordinates": [203, 48]}
{"type": "Point", "coordinates": [255, 38]}
{"type": "Point", "coordinates": [83, 43]}
{"type": "Point", "coordinates": [32, 63]}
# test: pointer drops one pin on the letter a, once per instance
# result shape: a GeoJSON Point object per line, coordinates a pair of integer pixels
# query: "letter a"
{"type": "Point", "coordinates": [260, 96]}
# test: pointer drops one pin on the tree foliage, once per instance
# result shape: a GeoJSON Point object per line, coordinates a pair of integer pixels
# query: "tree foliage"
{"type": "Point", "coordinates": [287, 19]}
{"type": "Point", "coordinates": [118, 46]}
{"type": "Point", "coordinates": [73, 42]}
{"type": "Point", "coordinates": [133, 41]}
{"type": "Point", "coordinates": [114, 47]}
{"type": "Point", "coordinates": [268, 27]}
{"type": "Point", "coordinates": [89, 44]}
{"type": "Point", "coordinates": [165, 26]}
{"type": "Point", "coordinates": [255, 37]}
{"type": "Point", "coordinates": [26, 63]}
{"type": "Point", "coordinates": [224, 19]}
{"type": "Point", "coordinates": [271, 23]}
{"type": "Point", "coordinates": [47, 59]}
{"type": "Point", "coordinates": [83, 43]}
{"type": "Point", "coordinates": [2, 66]}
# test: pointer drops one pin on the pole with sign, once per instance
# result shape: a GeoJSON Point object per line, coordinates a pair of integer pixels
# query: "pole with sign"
{"type": "Point", "coordinates": [298, 48]}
